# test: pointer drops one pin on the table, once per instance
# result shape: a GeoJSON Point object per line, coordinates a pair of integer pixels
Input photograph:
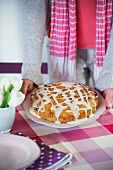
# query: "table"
{"type": "Point", "coordinates": [91, 144]}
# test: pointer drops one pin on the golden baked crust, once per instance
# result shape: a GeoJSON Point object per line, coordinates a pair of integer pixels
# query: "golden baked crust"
{"type": "Point", "coordinates": [63, 101]}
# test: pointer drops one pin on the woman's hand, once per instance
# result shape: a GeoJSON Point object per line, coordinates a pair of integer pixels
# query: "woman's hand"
{"type": "Point", "coordinates": [29, 86]}
{"type": "Point", "coordinates": [108, 95]}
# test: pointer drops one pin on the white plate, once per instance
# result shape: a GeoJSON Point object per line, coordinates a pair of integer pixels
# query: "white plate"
{"type": "Point", "coordinates": [17, 152]}
{"type": "Point", "coordinates": [101, 108]}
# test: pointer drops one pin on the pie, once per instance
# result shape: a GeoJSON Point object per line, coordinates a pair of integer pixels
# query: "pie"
{"type": "Point", "coordinates": [63, 102]}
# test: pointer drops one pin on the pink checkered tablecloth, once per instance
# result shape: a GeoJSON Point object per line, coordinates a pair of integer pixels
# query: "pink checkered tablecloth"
{"type": "Point", "coordinates": [91, 144]}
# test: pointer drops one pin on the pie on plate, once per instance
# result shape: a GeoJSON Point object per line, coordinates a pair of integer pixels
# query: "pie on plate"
{"type": "Point", "coordinates": [64, 104]}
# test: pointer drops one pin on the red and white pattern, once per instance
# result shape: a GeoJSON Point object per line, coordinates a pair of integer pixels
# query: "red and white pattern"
{"type": "Point", "coordinates": [103, 24]}
{"type": "Point", "coordinates": [63, 29]}
{"type": "Point", "coordinates": [63, 37]}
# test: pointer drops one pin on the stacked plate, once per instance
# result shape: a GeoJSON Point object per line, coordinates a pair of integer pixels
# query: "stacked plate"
{"type": "Point", "coordinates": [17, 152]}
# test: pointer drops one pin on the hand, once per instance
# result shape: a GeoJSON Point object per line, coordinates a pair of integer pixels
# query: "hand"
{"type": "Point", "coordinates": [108, 95]}
{"type": "Point", "coordinates": [29, 86]}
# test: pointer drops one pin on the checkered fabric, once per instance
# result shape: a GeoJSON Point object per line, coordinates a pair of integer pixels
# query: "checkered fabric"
{"type": "Point", "coordinates": [91, 144]}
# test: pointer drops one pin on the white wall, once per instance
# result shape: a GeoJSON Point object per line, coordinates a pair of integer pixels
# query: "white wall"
{"type": "Point", "coordinates": [10, 29]}
{"type": "Point", "coordinates": [10, 34]}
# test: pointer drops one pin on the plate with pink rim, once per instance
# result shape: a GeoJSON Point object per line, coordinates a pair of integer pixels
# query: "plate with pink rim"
{"type": "Point", "coordinates": [101, 108]}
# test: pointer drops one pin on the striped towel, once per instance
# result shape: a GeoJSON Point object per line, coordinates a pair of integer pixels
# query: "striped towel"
{"type": "Point", "coordinates": [63, 39]}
